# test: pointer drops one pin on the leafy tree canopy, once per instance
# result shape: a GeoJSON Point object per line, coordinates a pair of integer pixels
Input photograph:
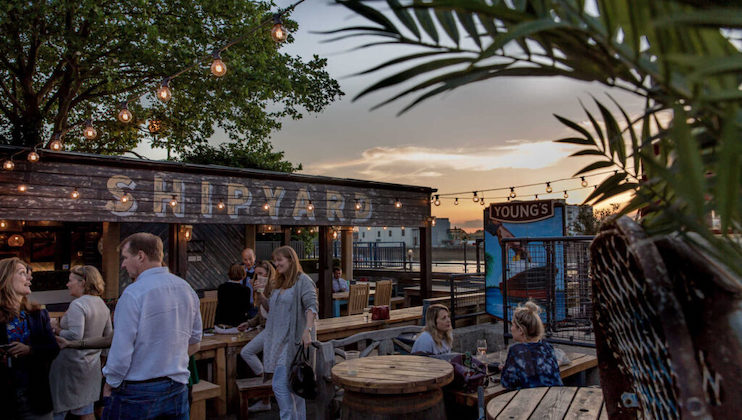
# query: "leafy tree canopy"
{"type": "Point", "coordinates": [682, 56]}
{"type": "Point", "coordinates": [63, 62]}
{"type": "Point", "coordinates": [256, 155]}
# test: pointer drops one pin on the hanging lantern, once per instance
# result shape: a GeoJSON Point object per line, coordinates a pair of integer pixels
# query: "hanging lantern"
{"type": "Point", "coordinates": [89, 132]}
{"type": "Point", "coordinates": [124, 114]}
{"type": "Point", "coordinates": [278, 33]}
{"type": "Point", "coordinates": [33, 157]}
{"type": "Point", "coordinates": [22, 188]}
{"type": "Point", "coordinates": [437, 200]}
{"type": "Point", "coordinates": [310, 206]}
{"type": "Point", "coordinates": [218, 68]}
{"type": "Point", "coordinates": [220, 205]}
{"type": "Point", "coordinates": [584, 182]}
{"type": "Point", "coordinates": [75, 194]}
{"type": "Point", "coordinates": [358, 204]}
{"type": "Point", "coordinates": [163, 93]}
{"type": "Point", "coordinates": [565, 194]}
{"type": "Point", "coordinates": [125, 198]}
{"type": "Point", "coordinates": [56, 143]}
{"type": "Point", "coordinates": [188, 232]}
{"type": "Point", "coordinates": [397, 203]}
{"type": "Point", "coordinates": [266, 206]}
{"type": "Point", "coordinates": [456, 201]}
{"type": "Point", "coordinates": [16, 240]}
{"type": "Point", "coordinates": [173, 202]}
{"type": "Point", "coordinates": [475, 198]}
{"type": "Point", "coordinates": [548, 187]}
{"type": "Point", "coordinates": [3, 224]}
{"type": "Point", "coordinates": [512, 192]}
{"type": "Point", "coordinates": [8, 165]}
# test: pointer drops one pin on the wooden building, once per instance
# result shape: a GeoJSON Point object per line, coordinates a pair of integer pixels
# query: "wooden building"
{"type": "Point", "coordinates": [72, 208]}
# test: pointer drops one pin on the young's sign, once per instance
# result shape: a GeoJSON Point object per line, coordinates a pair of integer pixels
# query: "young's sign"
{"type": "Point", "coordinates": [522, 211]}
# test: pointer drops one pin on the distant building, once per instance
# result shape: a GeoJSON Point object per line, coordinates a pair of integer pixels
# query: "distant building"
{"type": "Point", "coordinates": [409, 235]}
{"type": "Point", "coordinates": [440, 233]}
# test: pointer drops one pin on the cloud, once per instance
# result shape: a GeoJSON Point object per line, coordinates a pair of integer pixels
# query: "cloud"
{"type": "Point", "coordinates": [418, 161]}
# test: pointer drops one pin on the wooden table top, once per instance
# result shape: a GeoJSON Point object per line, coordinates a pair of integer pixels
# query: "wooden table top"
{"type": "Point", "coordinates": [344, 295]}
{"type": "Point", "coordinates": [228, 340]}
{"type": "Point", "coordinates": [559, 402]}
{"type": "Point", "coordinates": [330, 325]}
{"type": "Point", "coordinates": [392, 374]}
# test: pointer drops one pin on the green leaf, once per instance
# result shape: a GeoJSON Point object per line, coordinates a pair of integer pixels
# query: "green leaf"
{"type": "Point", "coordinates": [467, 21]}
{"type": "Point", "coordinates": [576, 140]}
{"type": "Point", "coordinates": [596, 126]}
{"type": "Point", "coordinates": [588, 152]}
{"type": "Point", "coordinates": [427, 23]}
{"type": "Point", "coordinates": [577, 128]}
{"type": "Point", "coordinates": [404, 16]}
{"type": "Point", "coordinates": [447, 21]}
{"type": "Point", "coordinates": [728, 175]}
{"type": "Point", "coordinates": [615, 139]}
{"type": "Point", "coordinates": [725, 17]}
{"type": "Point", "coordinates": [369, 13]}
{"type": "Point", "coordinates": [522, 30]}
{"type": "Point", "coordinates": [593, 166]}
{"type": "Point", "coordinates": [692, 185]}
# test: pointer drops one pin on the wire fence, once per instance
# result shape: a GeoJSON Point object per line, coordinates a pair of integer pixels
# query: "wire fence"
{"type": "Point", "coordinates": [554, 273]}
{"type": "Point", "coordinates": [467, 296]}
{"type": "Point", "coordinates": [387, 255]}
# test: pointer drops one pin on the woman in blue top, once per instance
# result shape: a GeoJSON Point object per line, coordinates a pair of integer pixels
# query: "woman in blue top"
{"type": "Point", "coordinates": [436, 337]}
{"type": "Point", "coordinates": [531, 362]}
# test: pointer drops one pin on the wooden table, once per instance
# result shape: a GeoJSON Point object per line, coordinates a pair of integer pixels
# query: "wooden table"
{"type": "Point", "coordinates": [339, 298]}
{"type": "Point", "coordinates": [392, 386]}
{"type": "Point", "coordinates": [559, 402]}
{"type": "Point", "coordinates": [436, 292]}
{"type": "Point", "coordinates": [345, 326]}
{"type": "Point", "coordinates": [579, 362]}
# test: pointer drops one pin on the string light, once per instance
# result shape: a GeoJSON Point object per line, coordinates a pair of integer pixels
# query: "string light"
{"type": "Point", "coordinates": [270, 227]}
{"type": "Point", "coordinates": [397, 203]}
{"type": "Point", "coordinates": [584, 182]}
{"type": "Point", "coordinates": [358, 204]}
{"type": "Point", "coordinates": [278, 33]}
{"type": "Point", "coordinates": [298, 231]}
{"type": "Point", "coordinates": [456, 201]}
{"type": "Point", "coordinates": [3, 224]}
{"type": "Point", "coordinates": [8, 165]}
{"type": "Point", "coordinates": [475, 198]}
{"type": "Point", "coordinates": [56, 143]}
{"type": "Point", "coordinates": [401, 227]}
{"type": "Point", "coordinates": [548, 188]}
{"type": "Point", "coordinates": [310, 206]}
{"type": "Point", "coordinates": [432, 222]}
{"type": "Point", "coordinates": [512, 192]}
{"type": "Point", "coordinates": [536, 197]}
{"type": "Point", "coordinates": [22, 188]}
{"type": "Point", "coordinates": [125, 198]}
{"type": "Point", "coordinates": [565, 194]}
{"type": "Point", "coordinates": [173, 202]}
{"type": "Point", "coordinates": [75, 194]}
{"type": "Point", "coordinates": [384, 227]}
{"type": "Point", "coordinates": [124, 114]}
{"type": "Point", "coordinates": [481, 201]}
{"type": "Point", "coordinates": [220, 205]}
{"type": "Point", "coordinates": [89, 132]}
{"type": "Point", "coordinates": [218, 68]}
{"type": "Point", "coordinates": [33, 157]}
{"type": "Point", "coordinates": [334, 234]}
{"type": "Point", "coordinates": [266, 206]}
{"type": "Point", "coordinates": [163, 93]}
{"type": "Point", "coordinates": [368, 228]}
{"type": "Point", "coordinates": [437, 200]}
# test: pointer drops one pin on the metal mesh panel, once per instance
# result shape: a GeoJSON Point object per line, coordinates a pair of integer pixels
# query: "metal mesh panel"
{"type": "Point", "coordinates": [467, 296]}
{"type": "Point", "coordinates": [554, 273]}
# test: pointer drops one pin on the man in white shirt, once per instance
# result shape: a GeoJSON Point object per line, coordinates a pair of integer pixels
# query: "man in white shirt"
{"type": "Point", "coordinates": [157, 327]}
{"type": "Point", "coordinates": [338, 282]}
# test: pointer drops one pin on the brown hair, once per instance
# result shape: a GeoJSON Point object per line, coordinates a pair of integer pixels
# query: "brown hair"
{"type": "Point", "coordinates": [288, 280]}
{"type": "Point", "coordinates": [148, 243]}
{"type": "Point", "coordinates": [92, 280]}
{"type": "Point", "coordinates": [8, 296]}
{"type": "Point", "coordinates": [526, 317]}
{"type": "Point", "coordinates": [268, 267]}
{"type": "Point", "coordinates": [431, 325]}
{"type": "Point", "coordinates": [236, 272]}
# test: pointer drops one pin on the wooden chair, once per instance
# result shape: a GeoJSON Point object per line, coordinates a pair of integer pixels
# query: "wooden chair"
{"type": "Point", "coordinates": [663, 318]}
{"type": "Point", "coordinates": [201, 392]}
{"type": "Point", "coordinates": [208, 312]}
{"type": "Point", "coordinates": [357, 298]}
{"type": "Point", "coordinates": [383, 294]}
{"type": "Point", "coordinates": [252, 388]}
{"type": "Point", "coordinates": [211, 294]}
{"type": "Point", "coordinates": [381, 341]}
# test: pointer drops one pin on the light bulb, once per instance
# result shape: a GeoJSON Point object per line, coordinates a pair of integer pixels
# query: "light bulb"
{"type": "Point", "coordinates": [565, 194]}
{"type": "Point", "coordinates": [456, 201]}
{"type": "Point", "coordinates": [397, 203]}
{"type": "Point", "coordinates": [401, 227]}
{"type": "Point", "coordinates": [75, 194]}
{"type": "Point", "coordinates": [368, 228]}
{"type": "Point", "coordinates": [548, 187]}
{"type": "Point", "coordinates": [89, 132]}
{"type": "Point", "coordinates": [220, 205]}
{"type": "Point", "coordinates": [8, 165]}
{"type": "Point", "coordinates": [125, 115]}
{"type": "Point", "coordinates": [163, 93]}
{"type": "Point", "coordinates": [33, 157]}
{"type": "Point", "coordinates": [437, 200]}
{"type": "Point", "coordinates": [475, 198]}
{"type": "Point", "coordinates": [334, 234]}
{"type": "Point", "coordinates": [481, 202]}
{"type": "Point", "coordinates": [173, 202]}
{"type": "Point", "coordinates": [512, 192]}
{"type": "Point", "coordinates": [584, 182]}
{"type": "Point", "coordinates": [298, 231]}
{"type": "Point", "coordinates": [3, 224]}
{"type": "Point", "coordinates": [125, 198]}
{"type": "Point", "coordinates": [310, 206]}
{"type": "Point", "coordinates": [384, 227]}
{"type": "Point", "coordinates": [358, 205]}
{"type": "Point", "coordinates": [56, 145]}
{"type": "Point", "coordinates": [278, 33]}
{"type": "Point", "coordinates": [187, 235]}
{"type": "Point", "coordinates": [536, 197]}
{"type": "Point", "coordinates": [218, 68]}
{"type": "Point", "coordinates": [270, 227]}
{"type": "Point", "coordinates": [432, 223]}
{"type": "Point", "coordinates": [266, 206]}
{"type": "Point", "coordinates": [22, 188]}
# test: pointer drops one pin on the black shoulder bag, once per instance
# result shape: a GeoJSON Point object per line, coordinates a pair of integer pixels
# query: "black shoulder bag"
{"type": "Point", "coordinates": [301, 376]}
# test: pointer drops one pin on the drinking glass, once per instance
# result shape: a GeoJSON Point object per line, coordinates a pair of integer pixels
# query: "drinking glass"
{"type": "Point", "coordinates": [365, 314]}
{"type": "Point", "coordinates": [351, 356]}
{"type": "Point", "coordinates": [481, 347]}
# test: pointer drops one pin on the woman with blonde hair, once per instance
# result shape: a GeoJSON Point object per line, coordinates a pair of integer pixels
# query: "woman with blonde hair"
{"type": "Point", "coordinates": [27, 346]}
{"type": "Point", "coordinates": [531, 362]}
{"type": "Point", "coordinates": [292, 309]}
{"type": "Point", "coordinates": [436, 337]}
{"type": "Point", "coordinates": [75, 376]}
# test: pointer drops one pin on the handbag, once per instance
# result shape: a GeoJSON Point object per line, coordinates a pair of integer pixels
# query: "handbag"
{"type": "Point", "coordinates": [301, 376]}
{"type": "Point", "coordinates": [379, 312]}
{"type": "Point", "coordinates": [468, 373]}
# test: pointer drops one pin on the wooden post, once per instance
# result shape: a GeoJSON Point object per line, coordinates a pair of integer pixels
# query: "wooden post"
{"type": "Point", "coordinates": [286, 239]}
{"type": "Point", "coordinates": [426, 260]}
{"type": "Point", "coordinates": [346, 255]}
{"type": "Point", "coordinates": [250, 237]}
{"type": "Point", "coordinates": [324, 281]}
{"type": "Point", "coordinates": [177, 250]}
{"type": "Point", "coordinates": [110, 264]}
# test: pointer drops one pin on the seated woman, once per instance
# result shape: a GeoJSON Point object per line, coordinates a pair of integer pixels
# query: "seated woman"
{"type": "Point", "coordinates": [233, 299]}
{"type": "Point", "coordinates": [531, 362]}
{"type": "Point", "coordinates": [436, 337]}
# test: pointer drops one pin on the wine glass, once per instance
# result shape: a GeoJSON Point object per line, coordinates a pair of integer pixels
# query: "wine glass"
{"type": "Point", "coordinates": [481, 347]}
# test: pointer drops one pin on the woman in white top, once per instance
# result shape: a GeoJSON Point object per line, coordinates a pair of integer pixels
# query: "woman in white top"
{"type": "Point", "coordinates": [75, 376]}
{"type": "Point", "coordinates": [436, 337]}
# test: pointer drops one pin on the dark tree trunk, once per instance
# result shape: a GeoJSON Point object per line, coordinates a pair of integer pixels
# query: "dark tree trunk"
{"type": "Point", "coordinates": [27, 132]}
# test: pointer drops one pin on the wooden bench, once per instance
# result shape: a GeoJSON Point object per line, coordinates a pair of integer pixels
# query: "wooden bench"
{"type": "Point", "coordinates": [252, 388]}
{"type": "Point", "coordinates": [579, 363]}
{"type": "Point", "coordinates": [201, 392]}
{"type": "Point", "coordinates": [396, 302]}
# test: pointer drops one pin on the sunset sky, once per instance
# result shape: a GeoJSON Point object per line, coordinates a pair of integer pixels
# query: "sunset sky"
{"type": "Point", "coordinates": [487, 135]}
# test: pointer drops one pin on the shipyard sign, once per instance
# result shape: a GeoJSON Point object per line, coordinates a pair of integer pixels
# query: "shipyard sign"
{"type": "Point", "coordinates": [522, 211]}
